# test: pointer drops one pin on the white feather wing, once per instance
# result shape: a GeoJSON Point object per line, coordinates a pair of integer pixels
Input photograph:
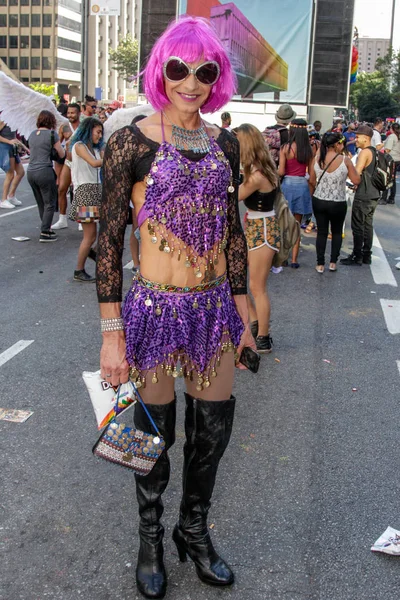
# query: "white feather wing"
{"type": "Point", "coordinates": [20, 106]}
{"type": "Point", "coordinates": [123, 116]}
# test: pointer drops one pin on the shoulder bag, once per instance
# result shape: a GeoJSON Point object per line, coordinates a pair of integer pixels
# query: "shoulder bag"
{"type": "Point", "coordinates": [128, 446]}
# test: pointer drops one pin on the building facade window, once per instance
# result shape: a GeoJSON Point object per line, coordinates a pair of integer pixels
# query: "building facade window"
{"type": "Point", "coordinates": [46, 63]}
{"type": "Point", "coordinates": [13, 64]}
{"type": "Point", "coordinates": [3, 41]}
{"type": "Point", "coordinates": [36, 2]}
{"type": "Point", "coordinates": [71, 4]}
{"type": "Point", "coordinates": [35, 41]}
{"type": "Point", "coordinates": [68, 65]}
{"type": "Point", "coordinates": [68, 44]}
{"type": "Point", "coordinates": [3, 2]}
{"type": "Point", "coordinates": [24, 62]}
{"type": "Point", "coordinates": [47, 20]}
{"type": "Point", "coordinates": [24, 2]}
{"type": "Point", "coordinates": [13, 20]}
{"type": "Point", "coordinates": [35, 63]}
{"type": "Point", "coordinates": [69, 24]}
{"type": "Point", "coordinates": [24, 41]}
{"type": "Point", "coordinates": [25, 79]}
{"type": "Point", "coordinates": [3, 20]}
{"type": "Point", "coordinates": [46, 41]}
{"type": "Point", "coordinates": [13, 41]}
{"type": "Point", "coordinates": [4, 59]}
{"type": "Point", "coordinates": [35, 20]}
{"type": "Point", "coordinates": [13, 3]}
{"type": "Point", "coordinates": [24, 20]}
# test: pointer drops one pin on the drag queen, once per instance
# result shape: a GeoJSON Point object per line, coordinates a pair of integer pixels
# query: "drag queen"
{"type": "Point", "coordinates": [185, 314]}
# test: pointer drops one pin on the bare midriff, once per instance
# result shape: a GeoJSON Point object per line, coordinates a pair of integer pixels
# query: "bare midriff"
{"type": "Point", "coordinates": [168, 268]}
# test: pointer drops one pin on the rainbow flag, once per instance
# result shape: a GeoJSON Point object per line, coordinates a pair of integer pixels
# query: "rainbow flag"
{"type": "Point", "coordinates": [354, 65]}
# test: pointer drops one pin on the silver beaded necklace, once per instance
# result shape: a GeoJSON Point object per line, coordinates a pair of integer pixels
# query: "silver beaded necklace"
{"type": "Point", "coordinates": [196, 140]}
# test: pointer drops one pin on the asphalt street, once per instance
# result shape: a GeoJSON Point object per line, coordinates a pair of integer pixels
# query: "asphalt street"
{"type": "Point", "coordinates": [308, 483]}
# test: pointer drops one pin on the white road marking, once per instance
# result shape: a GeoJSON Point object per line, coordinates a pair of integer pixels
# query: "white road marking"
{"type": "Point", "coordinates": [391, 312]}
{"type": "Point", "coordinates": [14, 350]}
{"type": "Point", "coordinates": [18, 210]}
{"type": "Point", "coordinates": [381, 270]}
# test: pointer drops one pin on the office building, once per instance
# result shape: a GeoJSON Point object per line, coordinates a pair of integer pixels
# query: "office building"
{"type": "Point", "coordinates": [104, 32]}
{"type": "Point", "coordinates": [369, 50]}
{"type": "Point", "coordinates": [40, 42]}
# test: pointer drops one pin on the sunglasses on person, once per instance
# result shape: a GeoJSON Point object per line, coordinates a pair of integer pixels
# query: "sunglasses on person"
{"type": "Point", "coordinates": [94, 106]}
{"type": "Point", "coordinates": [175, 69]}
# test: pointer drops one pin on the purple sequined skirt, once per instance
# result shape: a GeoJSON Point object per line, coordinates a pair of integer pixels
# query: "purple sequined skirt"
{"type": "Point", "coordinates": [179, 331]}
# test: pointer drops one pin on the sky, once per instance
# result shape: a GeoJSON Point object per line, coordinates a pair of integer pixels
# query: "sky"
{"type": "Point", "coordinates": [373, 19]}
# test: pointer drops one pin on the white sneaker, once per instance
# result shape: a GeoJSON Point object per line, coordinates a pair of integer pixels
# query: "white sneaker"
{"type": "Point", "coordinates": [15, 201]}
{"type": "Point", "coordinates": [6, 204]}
{"type": "Point", "coordinates": [62, 222]}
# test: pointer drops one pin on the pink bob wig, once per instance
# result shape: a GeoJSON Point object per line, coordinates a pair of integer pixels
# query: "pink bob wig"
{"type": "Point", "coordinates": [191, 39]}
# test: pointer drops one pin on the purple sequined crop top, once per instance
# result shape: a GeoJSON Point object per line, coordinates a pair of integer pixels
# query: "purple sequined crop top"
{"type": "Point", "coordinates": [191, 205]}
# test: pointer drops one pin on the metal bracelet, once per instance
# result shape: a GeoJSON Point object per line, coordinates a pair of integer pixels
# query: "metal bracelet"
{"type": "Point", "coordinates": [116, 324]}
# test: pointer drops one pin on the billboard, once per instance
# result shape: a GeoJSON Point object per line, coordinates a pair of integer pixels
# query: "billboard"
{"type": "Point", "coordinates": [269, 42]}
{"type": "Point", "coordinates": [112, 8]}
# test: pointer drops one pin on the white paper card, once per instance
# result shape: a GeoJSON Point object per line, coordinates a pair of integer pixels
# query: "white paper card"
{"type": "Point", "coordinates": [388, 543]}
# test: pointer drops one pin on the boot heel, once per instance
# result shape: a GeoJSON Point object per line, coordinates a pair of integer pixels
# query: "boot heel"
{"type": "Point", "coordinates": [180, 547]}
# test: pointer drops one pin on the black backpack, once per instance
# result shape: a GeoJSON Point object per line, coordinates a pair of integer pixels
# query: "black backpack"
{"type": "Point", "coordinates": [384, 173]}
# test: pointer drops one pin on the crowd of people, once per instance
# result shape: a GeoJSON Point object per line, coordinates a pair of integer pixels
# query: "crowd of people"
{"type": "Point", "coordinates": [314, 171]}
{"type": "Point", "coordinates": [180, 181]}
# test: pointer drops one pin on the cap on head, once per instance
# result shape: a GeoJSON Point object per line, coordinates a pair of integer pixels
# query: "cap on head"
{"type": "Point", "coordinates": [365, 130]}
{"type": "Point", "coordinates": [285, 114]}
{"type": "Point", "coordinates": [114, 105]}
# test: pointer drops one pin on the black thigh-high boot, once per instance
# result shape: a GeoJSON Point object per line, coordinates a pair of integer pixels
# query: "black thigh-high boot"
{"type": "Point", "coordinates": [151, 577]}
{"type": "Point", "coordinates": [208, 427]}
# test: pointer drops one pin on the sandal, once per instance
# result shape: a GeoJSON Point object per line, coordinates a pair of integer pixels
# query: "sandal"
{"type": "Point", "coordinates": [310, 227]}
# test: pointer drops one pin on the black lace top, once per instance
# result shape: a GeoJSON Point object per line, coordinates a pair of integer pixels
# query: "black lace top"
{"type": "Point", "coordinates": [127, 160]}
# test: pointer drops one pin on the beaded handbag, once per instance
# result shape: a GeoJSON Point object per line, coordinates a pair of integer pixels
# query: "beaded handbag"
{"type": "Point", "coordinates": [128, 446]}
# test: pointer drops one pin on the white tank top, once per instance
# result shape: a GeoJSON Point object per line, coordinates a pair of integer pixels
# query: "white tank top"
{"type": "Point", "coordinates": [81, 171]}
{"type": "Point", "coordinates": [333, 185]}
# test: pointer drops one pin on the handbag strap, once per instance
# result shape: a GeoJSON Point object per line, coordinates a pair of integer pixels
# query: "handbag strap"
{"type": "Point", "coordinates": [118, 411]}
{"type": "Point", "coordinates": [324, 171]}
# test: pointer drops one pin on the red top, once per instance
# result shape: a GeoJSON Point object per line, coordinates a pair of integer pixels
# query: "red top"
{"type": "Point", "coordinates": [294, 168]}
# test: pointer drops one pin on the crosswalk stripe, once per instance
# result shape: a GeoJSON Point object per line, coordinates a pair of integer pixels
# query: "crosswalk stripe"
{"type": "Point", "coordinates": [14, 350]}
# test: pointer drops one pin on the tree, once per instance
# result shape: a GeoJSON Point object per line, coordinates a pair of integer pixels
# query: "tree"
{"type": "Point", "coordinates": [372, 97]}
{"type": "Point", "coordinates": [389, 67]}
{"type": "Point", "coordinates": [125, 57]}
{"type": "Point", "coordinates": [46, 90]}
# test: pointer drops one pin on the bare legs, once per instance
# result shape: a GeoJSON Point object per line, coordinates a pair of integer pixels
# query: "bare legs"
{"type": "Point", "coordinates": [89, 237]}
{"type": "Point", "coordinates": [64, 181]}
{"type": "Point", "coordinates": [260, 262]}
{"type": "Point", "coordinates": [221, 388]}
{"type": "Point", "coordinates": [18, 174]}
{"type": "Point", "coordinates": [9, 179]}
{"type": "Point", "coordinates": [296, 247]}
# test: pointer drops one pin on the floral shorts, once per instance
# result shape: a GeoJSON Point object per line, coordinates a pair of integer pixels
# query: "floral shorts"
{"type": "Point", "coordinates": [263, 232]}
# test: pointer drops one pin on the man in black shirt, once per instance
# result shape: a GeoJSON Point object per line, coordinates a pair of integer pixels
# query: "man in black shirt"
{"type": "Point", "coordinates": [365, 201]}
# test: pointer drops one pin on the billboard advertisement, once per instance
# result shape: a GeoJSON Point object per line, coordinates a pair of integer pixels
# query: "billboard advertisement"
{"type": "Point", "coordinates": [269, 42]}
{"type": "Point", "coordinates": [112, 8]}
